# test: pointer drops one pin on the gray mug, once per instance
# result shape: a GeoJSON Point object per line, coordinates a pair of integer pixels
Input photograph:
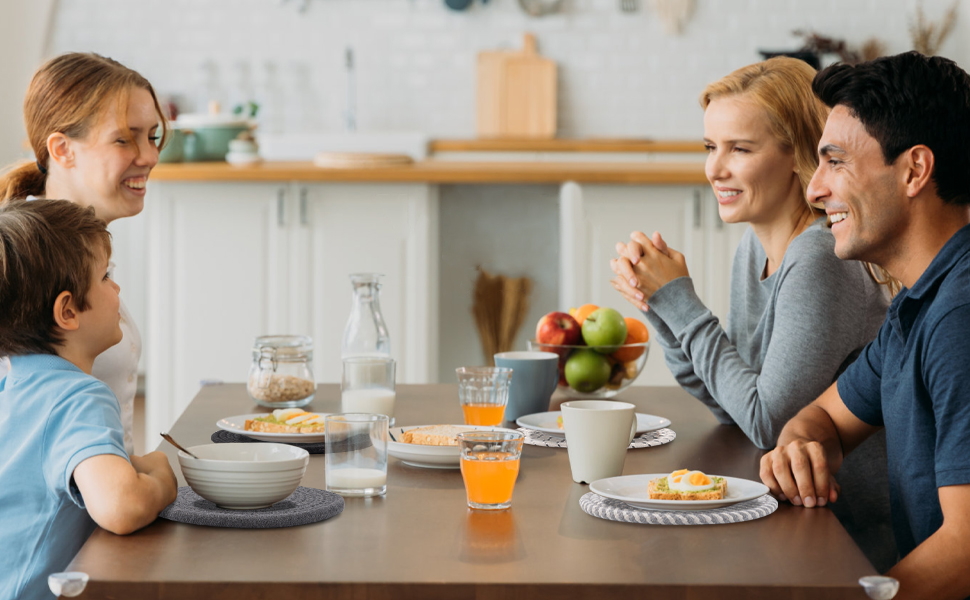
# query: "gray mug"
{"type": "Point", "coordinates": [534, 379]}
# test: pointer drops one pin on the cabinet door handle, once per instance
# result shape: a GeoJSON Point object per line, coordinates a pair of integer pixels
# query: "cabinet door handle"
{"type": "Point", "coordinates": [697, 209]}
{"type": "Point", "coordinates": [303, 207]}
{"type": "Point", "coordinates": [281, 207]}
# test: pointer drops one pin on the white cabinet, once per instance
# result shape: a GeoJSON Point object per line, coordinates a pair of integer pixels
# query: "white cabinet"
{"type": "Point", "coordinates": [228, 262]}
{"type": "Point", "coordinates": [383, 228]}
{"type": "Point", "coordinates": [594, 217]}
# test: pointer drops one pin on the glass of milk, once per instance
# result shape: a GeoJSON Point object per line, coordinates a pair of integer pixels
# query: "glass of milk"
{"type": "Point", "coordinates": [356, 454]}
{"type": "Point", "coordinates": [367, 385]}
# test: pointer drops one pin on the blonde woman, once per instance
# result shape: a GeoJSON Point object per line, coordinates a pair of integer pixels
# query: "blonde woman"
{"type": "Point", "coordinates": [798, 314]}
{"type": "Point", "coordinates": [95, 127]}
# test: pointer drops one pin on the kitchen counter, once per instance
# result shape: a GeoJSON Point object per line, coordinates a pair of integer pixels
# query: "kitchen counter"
{"type": "Point", "coordinates": [420, 540]}
{"type": "Point", "coordinates": [445, 172]}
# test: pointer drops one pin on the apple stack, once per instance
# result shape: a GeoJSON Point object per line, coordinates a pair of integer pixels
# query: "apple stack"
{"type": "Point", "coordinates": [598, 347]}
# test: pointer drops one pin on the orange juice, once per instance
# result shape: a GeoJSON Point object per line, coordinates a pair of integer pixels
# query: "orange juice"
{"type": "Point", "coordinates": [483, 414]}
{"type": "Point", "coordinates": [489, 477]}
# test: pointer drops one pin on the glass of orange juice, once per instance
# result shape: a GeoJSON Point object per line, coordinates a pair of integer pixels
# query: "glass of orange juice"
{"type": "Point", "coordinates": [489, 466]}
{"type": "Point", "coordinates": [484, 392]}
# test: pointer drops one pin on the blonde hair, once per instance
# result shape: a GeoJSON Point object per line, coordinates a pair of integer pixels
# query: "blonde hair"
{"type": "Point", "coordinates": [68, 94]}
{"type": "Point", "coordinates": [782, 86]}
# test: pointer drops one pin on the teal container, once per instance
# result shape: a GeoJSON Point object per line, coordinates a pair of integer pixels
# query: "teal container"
{"type": "Point", "coordinates": [174, 145]}
{"type": "Point", "coordinates": [203, 137]}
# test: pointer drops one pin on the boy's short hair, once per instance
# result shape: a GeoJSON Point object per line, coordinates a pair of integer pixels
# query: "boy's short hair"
{"type": "Point", "coordinates": [906, 100]}
{"type": "Point", "coordinates": [46, 247]}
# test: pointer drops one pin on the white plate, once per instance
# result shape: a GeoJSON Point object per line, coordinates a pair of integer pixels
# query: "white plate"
{"type": "Point", "coordinates": [429, 457]}
{"type": "Point", "coordinates": [632, 489]}
{"type": "Point", "coordinates": [237, 424]}
{"type": "Point", "coordinates": [546, 422]}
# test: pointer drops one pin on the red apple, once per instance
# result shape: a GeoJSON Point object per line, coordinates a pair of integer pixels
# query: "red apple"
{"type": "Point", "coordinates": [559, 328]}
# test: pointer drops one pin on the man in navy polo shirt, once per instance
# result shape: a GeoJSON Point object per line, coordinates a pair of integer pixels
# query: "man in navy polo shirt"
{"type": "Point", "coordinates": [894, 178]}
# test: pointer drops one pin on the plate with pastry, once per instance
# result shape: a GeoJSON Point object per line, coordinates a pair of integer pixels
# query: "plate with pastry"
{"type": "Point", "coordinates": [286, 425]}
{"type": "Point", "coordinates": [681, 490]}
{"type": "Point", "coordinates": [551, 422]}
{"type": "Point", "coordinates": [430, 446]}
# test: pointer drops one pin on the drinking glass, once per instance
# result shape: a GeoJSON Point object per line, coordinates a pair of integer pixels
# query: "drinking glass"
{"type": "Point", "coordinates": [483, 392]}
{"type": "Point", "coordinates": [367, 385]}
{"type": "Point", "coordinates": [356, 454]}
{"type": "Point", "coordinates": [489, 467]}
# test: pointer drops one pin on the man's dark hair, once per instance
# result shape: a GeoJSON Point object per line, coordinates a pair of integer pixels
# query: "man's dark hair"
{"type": "Point", "coordinates": [46, 247]}
{"type": "Point", "coordinates": [907, 100]}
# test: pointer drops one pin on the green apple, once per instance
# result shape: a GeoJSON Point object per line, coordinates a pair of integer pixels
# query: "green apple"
{"type": "Point", "coordinates": [587, 370]}
{"type": "Point", "coordinates": [605, 328]}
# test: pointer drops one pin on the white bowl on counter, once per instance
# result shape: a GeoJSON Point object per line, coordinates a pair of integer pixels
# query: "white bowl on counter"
{"type": "Point", "coordinates": [244, 476]}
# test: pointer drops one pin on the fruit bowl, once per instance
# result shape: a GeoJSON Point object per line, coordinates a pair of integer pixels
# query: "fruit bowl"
{"type": "Point", "coordinates": [596, 371]}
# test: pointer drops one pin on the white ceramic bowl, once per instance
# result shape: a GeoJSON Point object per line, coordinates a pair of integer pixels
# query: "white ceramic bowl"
{"type": "Point", "coordinates": [244, 476]}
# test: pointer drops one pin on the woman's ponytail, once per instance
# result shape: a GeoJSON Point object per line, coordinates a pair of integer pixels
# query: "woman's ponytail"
{"type": "Point", "coordinates": [22, 180]}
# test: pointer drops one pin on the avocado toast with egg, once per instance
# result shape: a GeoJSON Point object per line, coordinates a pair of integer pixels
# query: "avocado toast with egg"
{"type": "Point", "coordinates": [287, 420]}
{"type": "Point", "coordinates": [687, 485]}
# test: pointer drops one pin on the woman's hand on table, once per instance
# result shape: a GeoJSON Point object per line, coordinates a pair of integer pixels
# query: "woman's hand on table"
{"type": "Point", "coordinates": [644, 265]}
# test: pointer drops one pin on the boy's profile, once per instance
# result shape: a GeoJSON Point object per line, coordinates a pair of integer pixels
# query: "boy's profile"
{"type": "Point", "coordinates": [64, 468]}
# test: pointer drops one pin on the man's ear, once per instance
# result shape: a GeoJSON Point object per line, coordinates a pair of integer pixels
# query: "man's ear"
{"type": "Point", "coordinates": [919, 165]}
{"type": "Point", "coordinates": [66, 314]}
{"type": "Point", "coordinates": [60, 149]}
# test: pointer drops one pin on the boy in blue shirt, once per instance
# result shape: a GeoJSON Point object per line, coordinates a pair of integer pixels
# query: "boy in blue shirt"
{"type": "Point", "coordinates": [64, 469]}
{"type": "Point", "coordinates": [894, 177]}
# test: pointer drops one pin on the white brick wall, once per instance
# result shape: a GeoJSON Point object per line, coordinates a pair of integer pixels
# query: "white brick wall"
{"type": "Point", "coordinates": [620, 74]}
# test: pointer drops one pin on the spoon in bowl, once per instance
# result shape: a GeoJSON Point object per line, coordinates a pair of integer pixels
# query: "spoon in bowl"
{"type": "Point", "coordinates": [172, 441]}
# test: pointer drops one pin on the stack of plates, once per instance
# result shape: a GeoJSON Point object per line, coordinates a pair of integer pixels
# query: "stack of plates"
{"type": "Point", "coordinates": [360, 160]}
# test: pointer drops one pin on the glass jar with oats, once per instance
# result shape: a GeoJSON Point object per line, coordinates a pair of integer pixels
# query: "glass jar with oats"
{"type": "Point", "coordinates": [281, 375]}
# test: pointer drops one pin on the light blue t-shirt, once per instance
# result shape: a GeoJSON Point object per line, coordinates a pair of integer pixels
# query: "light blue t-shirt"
{"type": "Point", "coordinates": [53, 416]}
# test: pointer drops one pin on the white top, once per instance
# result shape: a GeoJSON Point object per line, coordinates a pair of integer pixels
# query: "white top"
{"type": "Point", "coordinates": [118, 367]}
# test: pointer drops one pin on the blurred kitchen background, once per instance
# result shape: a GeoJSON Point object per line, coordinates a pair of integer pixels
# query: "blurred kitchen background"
{"type": "Point", "coordinates": [621, 74]}
{"type": "Point", "coordinates": [625, 69]}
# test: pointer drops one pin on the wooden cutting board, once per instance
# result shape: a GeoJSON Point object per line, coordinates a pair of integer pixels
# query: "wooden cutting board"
{"type": "Point", "coordinates": [516, 93]}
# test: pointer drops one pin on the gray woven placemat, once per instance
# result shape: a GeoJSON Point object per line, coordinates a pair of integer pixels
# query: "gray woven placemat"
{"type": "Point", "coordinates": [645, 440]}
{"type": "Point", "coordinates": [614, 510]}
{"type": "Point", "coordinates": [227, 437]}
{"type": "Point", "coordinates": [302, 507]}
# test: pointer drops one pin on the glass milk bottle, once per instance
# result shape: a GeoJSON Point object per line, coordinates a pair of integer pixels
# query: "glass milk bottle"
{"type": "Point", "coordinates": [365, 333]}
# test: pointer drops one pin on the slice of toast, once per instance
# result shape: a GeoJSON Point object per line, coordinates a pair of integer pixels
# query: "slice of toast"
{"type": "Point", "coordinates": [658, 490]}
{"type": "Point", "coordinates": [434, 435]}
{"type": "Point", "coordinates": [267, 427]}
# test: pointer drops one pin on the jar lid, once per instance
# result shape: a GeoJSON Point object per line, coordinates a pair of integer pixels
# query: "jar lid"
{"type": "Point", "coordinates": [284, 346]}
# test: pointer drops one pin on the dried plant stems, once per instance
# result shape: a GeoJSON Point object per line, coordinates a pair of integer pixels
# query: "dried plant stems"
{"type": "Point", "coordinates": [499, 306]}
{"type": "Point", "coordinates": [928, 37]}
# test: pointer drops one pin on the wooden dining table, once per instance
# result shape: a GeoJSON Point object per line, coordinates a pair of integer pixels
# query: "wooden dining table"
{"type": "Point", "coordinates": [421, 541]}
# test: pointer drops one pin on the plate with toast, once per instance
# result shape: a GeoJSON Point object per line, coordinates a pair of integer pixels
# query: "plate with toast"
{"type": "Point", "coordinates": [652, 492]}
{"type": "Point", "coordinates": [286, 426]}
{"type": "Point", "coordinates": [430, 446]}
{"type": "Point", "coordinates": [551, 422]}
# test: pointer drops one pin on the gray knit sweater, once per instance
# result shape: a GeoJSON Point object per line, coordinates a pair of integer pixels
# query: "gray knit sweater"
{"type": "Point", "coordinates": [788, 338]}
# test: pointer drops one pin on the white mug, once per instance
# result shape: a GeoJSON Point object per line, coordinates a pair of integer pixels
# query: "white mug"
{"type": "Point", "coordinates": [598, 433]}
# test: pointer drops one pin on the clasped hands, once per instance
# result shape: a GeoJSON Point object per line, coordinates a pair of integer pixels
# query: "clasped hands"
{"type": "Point", "coordinates": [645, 264]}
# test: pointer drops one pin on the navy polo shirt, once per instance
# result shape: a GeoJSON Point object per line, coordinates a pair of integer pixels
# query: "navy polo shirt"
{"type": "Point", "coordinates": [914, 379]}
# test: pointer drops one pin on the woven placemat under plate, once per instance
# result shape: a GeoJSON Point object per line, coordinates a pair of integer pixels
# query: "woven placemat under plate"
{"type": "Point", "coordinates": [227, 437]}
{"type": "Point", "coordinates": [645, 440]}
{"type": "Point", "coordinates": [302, 507]}
{"type": "Point", "coordinates": [614, 510]}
